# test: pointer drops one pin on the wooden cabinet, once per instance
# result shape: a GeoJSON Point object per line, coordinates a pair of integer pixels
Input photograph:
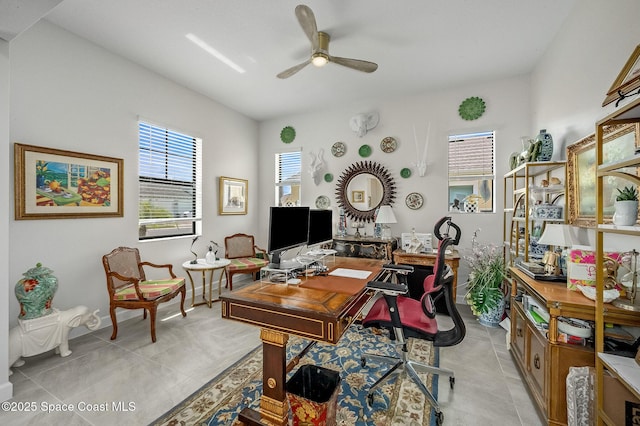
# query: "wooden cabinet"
{"type": "Point", "coordinates": [369, 247]}
{"type": "Point", "coordinates": [544, 361]}
{"type": "Point", "coordinates": [625, 371]}
{"type": "Point", "coordinates": [522, 186]}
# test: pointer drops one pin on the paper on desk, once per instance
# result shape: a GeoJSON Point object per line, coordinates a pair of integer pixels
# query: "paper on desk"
{"type": "Point", "coordinates": [350, 273]}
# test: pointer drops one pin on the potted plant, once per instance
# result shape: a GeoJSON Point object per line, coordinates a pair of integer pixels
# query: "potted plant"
{"type": "Point", "coordinates": [485, 295]}
{"type": "Point", "coordinates": [626, 206]}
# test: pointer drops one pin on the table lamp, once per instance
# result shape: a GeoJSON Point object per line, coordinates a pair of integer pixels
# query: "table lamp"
{"type": "Point", "coordinates": [560, 236]}
{"type": "Point", "coordinates": [386, 216]}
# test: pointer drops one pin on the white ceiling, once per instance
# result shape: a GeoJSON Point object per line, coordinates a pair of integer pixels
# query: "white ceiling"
{"type": "Point", "coordinates": [419, 45]}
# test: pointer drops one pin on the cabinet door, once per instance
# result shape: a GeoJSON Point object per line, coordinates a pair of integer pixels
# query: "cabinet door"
{"type": "Point", "coordinates": [537, 365]}
{"type": "Point", "coordinates": [518, 328]}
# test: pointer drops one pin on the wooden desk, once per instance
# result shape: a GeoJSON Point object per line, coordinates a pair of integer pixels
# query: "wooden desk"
{"type": "Point", "coordinates": [401, 257]}
{"type": "Point", "coordinates": [321, 308]}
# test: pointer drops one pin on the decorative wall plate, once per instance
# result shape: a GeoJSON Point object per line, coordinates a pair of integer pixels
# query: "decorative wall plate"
{"type": "Point", "coordinates": [388, 144]}
{"type": "Point", "coordinates": [414, 201]}
{"type": "Point", "coordinates": [288, 134]}
{"type": "Point", "coordinates": [323, 202]}
{"type": "Point", "coordinates": [405, 173]}
{"type": "Point", "coordinates": [471, 108]}
{"type": "Point", "coordinates": [364, 151]}
{"type": "Point", "coordinates": [328, 177]}
{"type": "Point", "coordinates": [338, 149]}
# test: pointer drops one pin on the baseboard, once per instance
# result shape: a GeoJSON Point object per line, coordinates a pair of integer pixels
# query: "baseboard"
{"type": "Point", "coordinates": [6, 391]}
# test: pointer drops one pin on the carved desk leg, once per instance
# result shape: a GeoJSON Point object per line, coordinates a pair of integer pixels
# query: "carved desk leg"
{"type": "Point", "coordinates": [274, 407]}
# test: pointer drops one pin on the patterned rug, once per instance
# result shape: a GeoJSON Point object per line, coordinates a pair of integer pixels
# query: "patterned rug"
{"type": "Point", "coordinates": [219, 401]}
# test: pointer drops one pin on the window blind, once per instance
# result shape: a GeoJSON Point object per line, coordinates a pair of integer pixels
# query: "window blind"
{"type": "Point", "coordinates": [169, 173]}
{"type": "Point", "coordinates": [471, 156]}
{"type": "Point", "coordinates": [288, 168]}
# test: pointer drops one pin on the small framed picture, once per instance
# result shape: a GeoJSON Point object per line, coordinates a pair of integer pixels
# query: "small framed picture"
{"type": "Point", "coordinates": [357, 196]}
{"type": "Point", "coordinates": [233, 197]}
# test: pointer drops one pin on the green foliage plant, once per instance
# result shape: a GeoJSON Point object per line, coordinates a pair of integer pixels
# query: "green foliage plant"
{"type": "Point", "coordinates": [486, 276]}
{"type": "Point", "coordinates": [628, 193]}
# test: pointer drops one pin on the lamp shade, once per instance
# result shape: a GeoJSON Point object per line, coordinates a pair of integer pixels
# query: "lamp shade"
{"type": "Point", "coordinates": [385, 215]}
{"type": "Point", "coordinates": [556, 234]}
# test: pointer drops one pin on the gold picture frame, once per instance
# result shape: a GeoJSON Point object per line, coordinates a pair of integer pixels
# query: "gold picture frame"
{"type": "Point", "coordinates": [233, 197]}
{"type": "Point", "coordinates": [620, 141]}
{"type": "Point", "coordinates": [357, 196]}
{"type": "Point", "coordinates": [628, 79]}
{"type": "Point", "coordinates": [56, 184]}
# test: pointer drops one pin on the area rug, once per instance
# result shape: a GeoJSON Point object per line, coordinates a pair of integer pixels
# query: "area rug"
{"type": "Point", "coordinates": [219, 401]}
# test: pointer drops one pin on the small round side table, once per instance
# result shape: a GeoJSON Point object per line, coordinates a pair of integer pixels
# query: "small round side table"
{"type": "Point", "coordinates": [203, 267]}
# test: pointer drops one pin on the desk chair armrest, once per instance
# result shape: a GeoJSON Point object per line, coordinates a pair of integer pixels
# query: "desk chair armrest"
{"type": "Point", "coordinates": [393, 289]}
{"type": "Point", "coordinates": [399, 269]}
{"type": "Point", "coordinates": [154, 265]}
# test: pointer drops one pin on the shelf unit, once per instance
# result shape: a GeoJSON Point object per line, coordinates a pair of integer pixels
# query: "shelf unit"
{"type": "Point", "coordinates": [624, 370]}
{"type": "Point", "coordinates": [519, 184]}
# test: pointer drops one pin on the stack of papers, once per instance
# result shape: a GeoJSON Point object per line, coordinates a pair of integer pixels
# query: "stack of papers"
{"type": "Point", "coordinates": [350, 273]}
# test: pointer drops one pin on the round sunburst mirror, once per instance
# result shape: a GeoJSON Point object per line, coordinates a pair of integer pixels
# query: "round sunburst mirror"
{"type": "Point", "coordinates": [362, 187]}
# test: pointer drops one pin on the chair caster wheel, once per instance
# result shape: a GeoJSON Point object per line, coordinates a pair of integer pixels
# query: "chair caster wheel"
{"type": "Point", "coordinates": [452, 382]}
{"type": "Point", "coordinates": [439, 418]}
{"type": "Point", "coordinates": [363, 362]}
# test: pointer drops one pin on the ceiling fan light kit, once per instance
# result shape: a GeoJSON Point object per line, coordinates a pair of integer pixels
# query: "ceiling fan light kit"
{"type": "Point", "coordinates": [320, 47]}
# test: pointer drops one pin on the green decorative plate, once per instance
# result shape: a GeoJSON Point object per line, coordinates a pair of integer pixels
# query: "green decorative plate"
{"type": "Point", "coordinates": [471, 108]}
{"type": "Point", "coordinates": [288, 134]}
{"type": "Point", "coordinates": [405, 173]}
{"type": "Point", "coordinates": [328, 177]}
{"type": "Point", "coordinates": [364, 151]}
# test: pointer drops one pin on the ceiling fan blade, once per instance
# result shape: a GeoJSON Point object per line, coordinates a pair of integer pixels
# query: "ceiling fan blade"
{"type": "Point", "coordinates": [307, 21]}
{"type": "Point", "coordinates": [291, 71]}
{"type": "Point", "coordinates": [356, 64]}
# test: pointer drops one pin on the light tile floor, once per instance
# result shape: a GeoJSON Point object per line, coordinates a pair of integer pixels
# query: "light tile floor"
{"type": "Point", "coordinates": [131, 381]}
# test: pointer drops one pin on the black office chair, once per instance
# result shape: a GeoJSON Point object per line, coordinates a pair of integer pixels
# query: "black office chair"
{"type": "Point", "coordinates": [405, 317]}
{"type": "Point", "coordinates": [440, 234]}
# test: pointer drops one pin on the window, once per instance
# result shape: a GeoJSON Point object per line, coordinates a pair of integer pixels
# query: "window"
{"type": "Point", "coordinates": [170, 189]}
{"type": "Point", "coordinates": [471, 172]}
{"type": "Point", "coordinates": [288, 167]}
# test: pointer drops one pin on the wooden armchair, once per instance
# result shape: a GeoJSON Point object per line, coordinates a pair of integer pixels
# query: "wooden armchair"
{"type": "Point", "coordinates": [245, 256]}
{"type": "Point", "coordinates": [129, 288]}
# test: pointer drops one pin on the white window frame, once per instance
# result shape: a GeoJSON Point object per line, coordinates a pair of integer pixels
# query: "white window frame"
{"type": "Point", "coordinates": [288, 174]}
{"type": "Point", "coordinates": [472, 168]}
{"type": "Point", "coordinates": [169, 162]}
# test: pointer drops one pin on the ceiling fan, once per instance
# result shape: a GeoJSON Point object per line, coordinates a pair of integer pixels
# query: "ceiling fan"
{"type": "Point", "coordinates": [320, 47]}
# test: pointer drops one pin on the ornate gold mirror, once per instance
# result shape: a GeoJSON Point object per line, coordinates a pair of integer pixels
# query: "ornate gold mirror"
{"type": "Point", "coordinates": [363, 187]}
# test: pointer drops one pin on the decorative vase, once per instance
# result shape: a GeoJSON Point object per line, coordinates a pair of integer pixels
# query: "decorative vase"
{"type": "Point", "coordinates": [492, 317]}
{"type": "Point", "coordinates": [35, 292]}
{"type": "Point", "coordinates": [626, 212]}
{"type": "Point", "coordinates": [546, 146]}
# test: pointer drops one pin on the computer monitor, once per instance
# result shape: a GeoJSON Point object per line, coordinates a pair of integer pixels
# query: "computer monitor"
{"type": "Point", "coordinates": [320, 227]}
{"type": "Point", "coordinates": [288, 228]}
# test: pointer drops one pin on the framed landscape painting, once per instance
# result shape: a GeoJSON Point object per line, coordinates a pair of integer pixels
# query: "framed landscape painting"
{"type": "Point", "coordinates": [619, 142]}
{"type": "Point", "coordinates": [55, 184]}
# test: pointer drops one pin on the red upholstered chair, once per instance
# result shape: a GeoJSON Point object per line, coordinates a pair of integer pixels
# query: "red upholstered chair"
{"type": "Point", "coordinates": [405, 317]}
{"type": "Point", "coordinates": [129, 288]}
{"type": "Point", "coordinates": [245, 256]}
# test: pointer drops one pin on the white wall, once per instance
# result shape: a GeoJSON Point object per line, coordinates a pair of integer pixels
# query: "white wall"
{"type": "Point", "coordinates": [70, 94]}
{"type": "Point", "coordinates": [507, 113]}
{"type": "Point", "coordinates": [5, 386]}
